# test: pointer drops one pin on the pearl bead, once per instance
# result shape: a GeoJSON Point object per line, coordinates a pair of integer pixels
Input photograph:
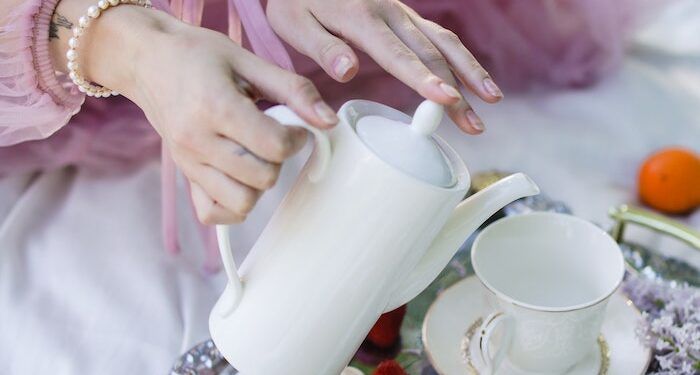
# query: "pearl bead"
{"type": "Point", "coordinates": [93, 11]}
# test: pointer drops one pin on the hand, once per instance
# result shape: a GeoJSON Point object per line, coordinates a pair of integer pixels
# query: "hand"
{"type": "Point", "coordinates": [194, 86]}
{"type": "Point", "coordinates": [229, 150]}
{"type": "Point", "coordinates": [422, 54]}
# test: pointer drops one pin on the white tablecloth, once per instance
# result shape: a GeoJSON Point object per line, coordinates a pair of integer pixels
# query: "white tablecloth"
{"type": "Point", "coordinates": [86, 287]}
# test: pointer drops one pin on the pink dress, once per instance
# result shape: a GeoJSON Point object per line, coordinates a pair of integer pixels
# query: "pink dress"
{"type": "Point", "coordinates": [523, 44]}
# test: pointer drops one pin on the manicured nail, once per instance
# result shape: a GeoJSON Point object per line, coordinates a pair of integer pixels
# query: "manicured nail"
{"type": "Point", "coordinates": [449, 90]}
{"type": "Point", "coordinates": [342, 66]}
{"type": "Point", "coordinates": [492, 88]}
{"type": "Point", "coordinates": [474, 120]}
{"type": "Point", "coordinates": [325, 113]}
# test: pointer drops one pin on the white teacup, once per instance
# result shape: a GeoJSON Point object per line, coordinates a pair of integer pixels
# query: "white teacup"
{"type": "Point", "coordinates": [549, 277]}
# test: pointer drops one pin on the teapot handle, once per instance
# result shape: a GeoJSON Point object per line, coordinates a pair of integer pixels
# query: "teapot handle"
{"type": "Point", "coordinates": [319, 161]}
{"type": "Point", "coordinates": [317, 167]}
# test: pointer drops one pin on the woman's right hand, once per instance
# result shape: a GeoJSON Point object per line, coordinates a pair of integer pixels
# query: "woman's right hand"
{"type": "Point", "coordinates": [191, 83]}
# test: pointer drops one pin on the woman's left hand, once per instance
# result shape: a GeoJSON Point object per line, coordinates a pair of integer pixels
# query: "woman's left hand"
{"type": "Point", "coordinates": [425, 56]}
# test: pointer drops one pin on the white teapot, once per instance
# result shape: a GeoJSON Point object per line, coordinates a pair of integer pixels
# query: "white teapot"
{"type": "Point", "coordinates": [373, 218]}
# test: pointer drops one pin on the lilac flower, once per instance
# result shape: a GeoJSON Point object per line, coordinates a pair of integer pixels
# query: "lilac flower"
{"type": "Point", "coordinates": [670, 323]}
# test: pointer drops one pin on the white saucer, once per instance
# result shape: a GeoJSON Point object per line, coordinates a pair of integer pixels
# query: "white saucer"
{"type": "Point", "coordinates": [458, 307]}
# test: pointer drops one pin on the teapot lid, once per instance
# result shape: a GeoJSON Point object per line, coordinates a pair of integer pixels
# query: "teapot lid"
{"type": "Point", "coordinates": [410, 148]}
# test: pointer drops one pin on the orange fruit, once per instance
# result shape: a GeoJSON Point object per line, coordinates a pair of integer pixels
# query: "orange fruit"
{"type": "Point", "coordinates": [669, 180]}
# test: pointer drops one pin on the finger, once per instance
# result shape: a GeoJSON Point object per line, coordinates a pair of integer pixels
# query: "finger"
{"type": "Point", "coordinates": [463, 63]}
{"type": "Point", "coordinates": [208, 211]}
{"type": "Point", "coordinates": [309, 37]}
{"type": "Point", "coordinates": [237, 118]}
{"type": "Point", "coordinates": [281, 86]}
{"type": "Point", "coordinates": [465, 118]}
{"type": "Point", "coordinates": [242, 165]}
{"type": "Point", "coordinates": [460, 112]}
{"type": "Point", "coordinates": [226, 192]}
{"type": "Point", "coordinates": [379, 41]}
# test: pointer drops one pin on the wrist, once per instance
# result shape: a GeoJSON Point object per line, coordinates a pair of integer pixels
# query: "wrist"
{"type": "Point", "coordinates": [112, 45]}
{"type": "Point", "coordinates": [112, 48]}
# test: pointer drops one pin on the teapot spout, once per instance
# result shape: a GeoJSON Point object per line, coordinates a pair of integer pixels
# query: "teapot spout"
{"type": "Point", "coordinates": [465, 219]}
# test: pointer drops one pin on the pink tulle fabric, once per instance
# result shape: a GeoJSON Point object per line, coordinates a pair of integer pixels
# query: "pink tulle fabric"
{"type": "Point", "coordinates": [89, 141]}
{"type": "Point", "coordinates": [36, 103]}
{"type": "Point", "coordinates": [559, 43]}
{"type": "Point", "coordinates": [33, 103]}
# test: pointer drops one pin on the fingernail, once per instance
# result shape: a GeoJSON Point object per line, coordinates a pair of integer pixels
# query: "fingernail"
{"type": "Point", "coordinates": [342, 66]}
{"type": "Point", "coordinates": [449, 90]}
{"type": "Point", "coordinates": [474, 120]}
{"type": "Point", "coordinates": [492, 88]}
{"type": "Point", "coordinates": [325, 113]}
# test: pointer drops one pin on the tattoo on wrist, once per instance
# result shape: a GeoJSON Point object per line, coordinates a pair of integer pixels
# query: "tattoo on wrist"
{"type": "Point", "coordinates": [58, 20]}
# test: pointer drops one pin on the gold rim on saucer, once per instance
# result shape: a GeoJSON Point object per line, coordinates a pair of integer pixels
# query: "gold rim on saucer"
{"type": "Point", "coordinates": [474, 327]}
{"type": "Point", "coordinates": [441, 295]}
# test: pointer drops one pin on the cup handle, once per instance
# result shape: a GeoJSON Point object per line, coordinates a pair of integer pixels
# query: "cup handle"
{"type": "Point", "coordinates": [319, 163]}
{"type": "Point", "coordinates": [493, 321]}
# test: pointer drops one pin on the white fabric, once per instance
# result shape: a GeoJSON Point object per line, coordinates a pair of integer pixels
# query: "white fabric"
{"type": "Point", "coordinates": [87, 288]}
{"type": "Point", "coordinates": [85, 285]}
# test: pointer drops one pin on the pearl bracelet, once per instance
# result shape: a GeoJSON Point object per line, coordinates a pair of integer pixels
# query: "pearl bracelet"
{"type": "Point", "coordinates": [84, 22]}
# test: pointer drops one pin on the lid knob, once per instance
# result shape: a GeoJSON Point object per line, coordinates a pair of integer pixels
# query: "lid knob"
{"type": "Point", "coordinates": [427, 117]}
{"type": "Point", "coordinates": [410, 148]}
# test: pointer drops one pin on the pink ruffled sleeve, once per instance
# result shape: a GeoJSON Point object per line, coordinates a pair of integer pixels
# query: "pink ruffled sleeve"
{"type": "Point", "coordinates": [34, 101]}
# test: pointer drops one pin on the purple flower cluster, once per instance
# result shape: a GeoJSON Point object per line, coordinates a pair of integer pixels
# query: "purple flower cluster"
{"type": "Point", "coordinates": [670, 324]}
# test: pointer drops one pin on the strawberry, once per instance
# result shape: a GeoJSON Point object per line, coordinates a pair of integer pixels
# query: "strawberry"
{"type": "Point", "coordinates": [389, 367]}
{"type": "Point", "coordinates": [385, 332]}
